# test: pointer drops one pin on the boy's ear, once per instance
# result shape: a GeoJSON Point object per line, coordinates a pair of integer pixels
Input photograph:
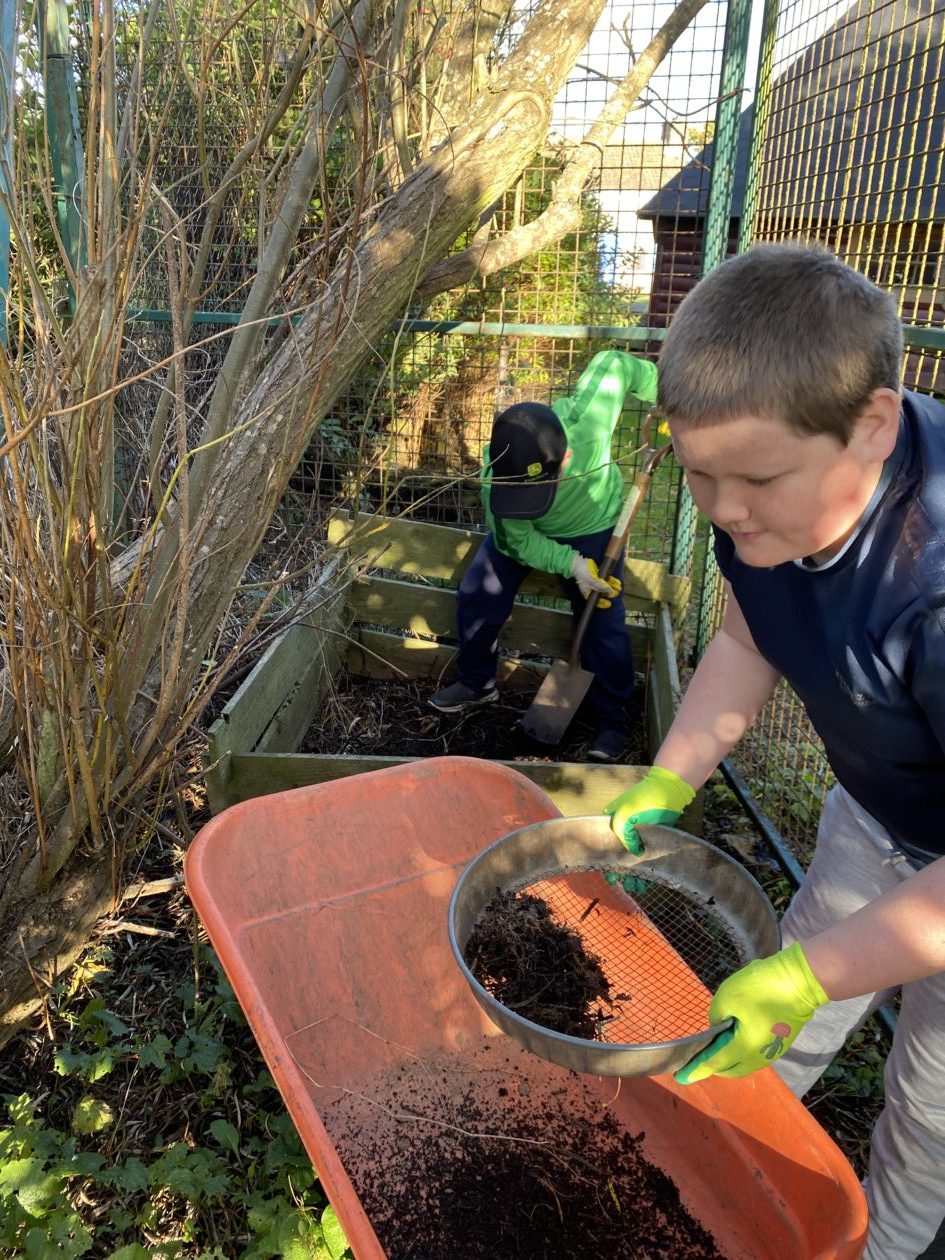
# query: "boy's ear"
{"type": "Point", "coordinates": [877, 426]}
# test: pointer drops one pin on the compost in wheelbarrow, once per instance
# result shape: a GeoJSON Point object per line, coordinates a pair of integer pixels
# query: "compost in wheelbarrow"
{"type": "Point", "coordinates": [327, 906]}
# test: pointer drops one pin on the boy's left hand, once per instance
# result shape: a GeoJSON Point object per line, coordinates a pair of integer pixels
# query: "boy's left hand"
{"type": "Point", "coordinates": [770, 1000]}
{"type": "Point", "coordinates": [585, 573]}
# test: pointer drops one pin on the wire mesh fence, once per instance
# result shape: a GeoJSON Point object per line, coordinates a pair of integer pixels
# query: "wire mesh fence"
{"type": "Point", "coordinates": [840, 140]}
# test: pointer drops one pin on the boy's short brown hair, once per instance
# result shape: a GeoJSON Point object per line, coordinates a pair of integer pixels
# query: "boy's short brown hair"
{"type": "Point", "coordinates": [784, 332]}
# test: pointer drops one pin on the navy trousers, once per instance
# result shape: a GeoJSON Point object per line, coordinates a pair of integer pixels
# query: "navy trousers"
{"type": "Point", "coordinates": [484, 604]}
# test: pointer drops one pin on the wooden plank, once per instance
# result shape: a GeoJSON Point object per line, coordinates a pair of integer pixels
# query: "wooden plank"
{"type": "Point", "coordinates": [379, 654]}
{"type": "Point", "coordinates": [217, 768]}
{"type": "Point", "coordinates": [307, 690]}
{"type": "Point", "coordinates": [444, 552]}
{"type": "Point", "coordinates": [576, 789]}
{"type": "Point", "coordinates": [431, 610]}
{"type": "Point", "coordinates": [663, 687]}
{"type": "Point", "coordinates": [271, 691]}
{"type": "Point", "coordinates": [409, 606]}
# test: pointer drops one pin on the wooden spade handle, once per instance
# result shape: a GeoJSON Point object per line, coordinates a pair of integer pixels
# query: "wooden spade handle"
{"type": "Point", "coordinates": [631, 504]}
{"type": "Point", "coordinates": [610, 557]}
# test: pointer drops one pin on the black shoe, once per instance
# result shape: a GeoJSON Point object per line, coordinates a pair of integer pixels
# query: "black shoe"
{"type": "Point", "coordinates": [607, 746]}
{"type": "Point", "coordinates": [457, 696]}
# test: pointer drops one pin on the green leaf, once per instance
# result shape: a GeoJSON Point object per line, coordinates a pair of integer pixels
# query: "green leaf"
{"type": "Point", "coordinates": [83, 1164]}
{"type": "Point", "coordinates": [130, 1176]}
{"type": "Point", "coordinates": [91, 1115]}
{"type": "Point", "coordinates": [16, 1172]}
{"type": "Point", "coordinates": [334, 1235]}
{"type": "Point", "coordinates": [61, 1234]}
{"type": "Point", "coordinates": [226, 1135]}
{"type": "Point", "coordinates": [37, 1192]}
{"type": "Point", "coordinates": [195, 1174]}
{"type": "Point", "coordinates": [100, 1065]}
{"type": "Point", "coordinates": [303, 1249]}
{"type": "Point", "coordinates": [133, 1251]}
{"type": "Point", "coordinates": [186, 993]}
{"type": "Point", "coordinates": [68, 1062]}
{"type": "Point", "coordinates": [115, 1025]}
{"type": "Point", "coordinates": [154, 1053]}
{"type": "Point", "coordinates": [199, 1052]}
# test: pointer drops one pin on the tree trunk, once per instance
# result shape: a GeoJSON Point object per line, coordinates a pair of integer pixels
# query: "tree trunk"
{"type": "Point", "coordinates": [198, 548]}
{"type": "Point", "coordinates": [234, 493]}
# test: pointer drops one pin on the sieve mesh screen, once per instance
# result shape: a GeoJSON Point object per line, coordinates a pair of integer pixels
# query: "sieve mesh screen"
{"type": "Point", "coordinates": [662, 951]}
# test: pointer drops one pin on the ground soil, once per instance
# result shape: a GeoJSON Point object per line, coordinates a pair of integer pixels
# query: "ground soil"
{"type": "Point", "coordinates": [371, 717]}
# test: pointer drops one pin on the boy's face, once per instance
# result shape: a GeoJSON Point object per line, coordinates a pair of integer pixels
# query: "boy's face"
{"type": "Point", "coordinates": [782, 495]}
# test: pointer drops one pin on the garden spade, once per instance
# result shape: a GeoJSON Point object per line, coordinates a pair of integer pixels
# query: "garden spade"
{"type": "Point", "coordinates": [567, 683]}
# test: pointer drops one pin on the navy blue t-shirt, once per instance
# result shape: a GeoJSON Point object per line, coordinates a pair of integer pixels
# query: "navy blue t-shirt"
{"type": "Point", "coordinates": [862, 640]}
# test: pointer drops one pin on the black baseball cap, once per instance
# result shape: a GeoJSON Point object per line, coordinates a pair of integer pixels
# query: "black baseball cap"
{"type": "Point", "coordinates": [526, 449]}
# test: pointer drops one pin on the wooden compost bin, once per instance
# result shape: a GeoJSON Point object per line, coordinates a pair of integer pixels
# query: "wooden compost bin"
{"type": "Point", "coordinates": [386, 606]}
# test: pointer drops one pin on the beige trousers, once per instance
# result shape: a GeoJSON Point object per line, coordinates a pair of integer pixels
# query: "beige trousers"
{"type": "Point", "coordinates": [854, 862]}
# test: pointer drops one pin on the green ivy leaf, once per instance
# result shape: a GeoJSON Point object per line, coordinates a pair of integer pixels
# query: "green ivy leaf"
{"type": "Point", "coordinates": [91, 1115]}
{"type": "Point", "coordinates": [154, 1053]}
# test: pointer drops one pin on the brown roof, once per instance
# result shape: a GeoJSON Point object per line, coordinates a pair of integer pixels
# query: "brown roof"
{"type": "Point", "coordinates": [640, 167]}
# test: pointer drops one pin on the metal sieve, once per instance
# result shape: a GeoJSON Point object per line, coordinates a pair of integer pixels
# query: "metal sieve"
{"type": "Point", "coordinates": [695, 915]}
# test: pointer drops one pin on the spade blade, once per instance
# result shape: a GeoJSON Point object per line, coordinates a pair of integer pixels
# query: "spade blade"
{"type": "Point", "coordinates": [556, 702]}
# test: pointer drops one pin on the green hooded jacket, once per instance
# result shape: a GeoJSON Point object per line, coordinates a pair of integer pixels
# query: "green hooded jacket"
{"type": "Point", "coordinates": [590, 489]}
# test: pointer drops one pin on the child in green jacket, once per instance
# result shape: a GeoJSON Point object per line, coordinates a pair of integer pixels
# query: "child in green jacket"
{"type": "Point", "coordinates": [552, 495]}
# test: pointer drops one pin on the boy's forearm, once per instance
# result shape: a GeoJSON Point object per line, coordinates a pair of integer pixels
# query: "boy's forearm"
{"type": "Point", "coordinates": [896, 938]}
{"type": "Point", "coordinates": [521, 541]}
{"type": "Point", "coordinates": [730, 685]}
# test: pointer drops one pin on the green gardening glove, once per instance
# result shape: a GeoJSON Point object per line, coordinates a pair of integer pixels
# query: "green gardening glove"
{"type": "Point", "coordinates": [659, 797]}
{"type": "Point", "coordinates": [770, 1000]}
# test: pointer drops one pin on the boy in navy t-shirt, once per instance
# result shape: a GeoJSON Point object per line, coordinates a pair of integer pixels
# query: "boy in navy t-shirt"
{"type": "Point", "coordinates": [825, 487]}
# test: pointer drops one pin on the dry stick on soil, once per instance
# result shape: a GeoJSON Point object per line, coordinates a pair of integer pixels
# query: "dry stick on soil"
{"type": "Point", "coordinates": [373, 1102]}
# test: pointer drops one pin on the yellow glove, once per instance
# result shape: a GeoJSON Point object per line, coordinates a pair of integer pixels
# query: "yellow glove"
{"type": "Point", "coordinates": [659, 797]}
{"type": "Point", "coordinates": [586, 574]}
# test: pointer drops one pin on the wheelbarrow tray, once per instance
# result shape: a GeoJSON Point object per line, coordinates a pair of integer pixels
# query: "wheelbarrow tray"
{"type": "Point", "coordinates": [327, 906]}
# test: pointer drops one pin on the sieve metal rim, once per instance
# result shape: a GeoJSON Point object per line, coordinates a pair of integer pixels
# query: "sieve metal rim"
{"type": "Point", "coordinates": [561, 845]}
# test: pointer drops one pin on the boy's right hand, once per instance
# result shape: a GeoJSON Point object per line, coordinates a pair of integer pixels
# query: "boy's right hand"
{"type": "Point", "coordinates": [659, 797]}
{"type": "Point", "coordinates": [584, 572]}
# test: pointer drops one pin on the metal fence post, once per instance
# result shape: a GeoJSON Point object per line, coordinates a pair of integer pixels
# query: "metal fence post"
{"type": "Point", "coordinates": [62, 126]}
{"type": "Point", "coordinates": [709, 593]}
{"type": "Point", "coordinates": [718, 215]}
